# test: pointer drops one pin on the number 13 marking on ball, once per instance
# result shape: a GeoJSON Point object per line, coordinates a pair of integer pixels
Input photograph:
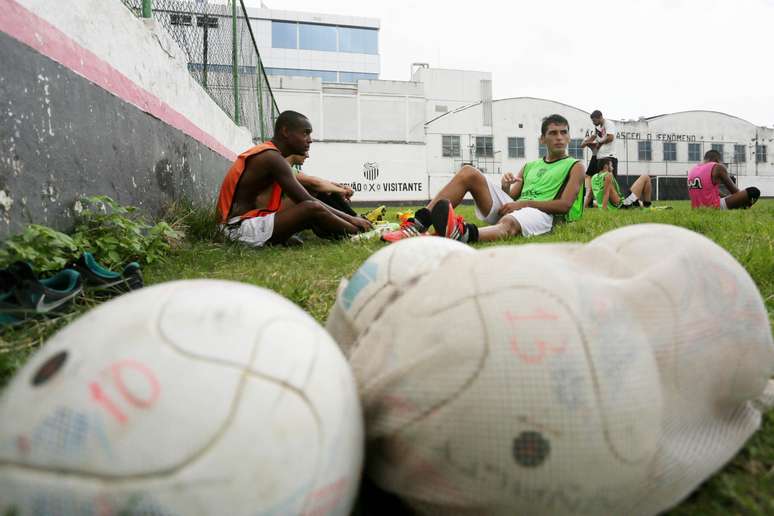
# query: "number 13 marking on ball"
{"type": "Point", "coordinates": [543, 347]}
{"type": "Point", "coordinates": [99, 395]}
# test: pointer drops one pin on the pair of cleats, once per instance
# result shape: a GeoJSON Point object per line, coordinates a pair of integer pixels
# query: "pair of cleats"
{"type": "Point", "coordinates": [23, 295]}
{"type": "Point", "coordinates": [442, 218]}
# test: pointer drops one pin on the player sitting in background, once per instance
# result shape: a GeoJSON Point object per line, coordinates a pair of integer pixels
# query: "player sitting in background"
{"type": "Point", "coordinates": [261, 201]}
{"type": "Point", "coordinates": [703, 182]}
{"type": "Point", "coordinates": [545, 190]}
{"type": "Point", "coordinates": [607, 192]}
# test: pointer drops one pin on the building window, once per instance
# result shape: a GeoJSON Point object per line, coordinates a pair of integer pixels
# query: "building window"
{"type": "Point", "coordinates": [670, 151]}
{"type": "Point", "coordinates": [359, 41]}
{"type": "Point", "coordinates": [760, 154]}
{"type": "Point", "coordinates": [484, 147]}
{"type": "Point", "coordinates": [181, 19]}
{"type": "Point", "coordinates": [515, 147]}
{"type": "Point", "coordinates": [542, 150]}
{"type": "Point", "coordinates": [575, 150]}
{"type": "Point", "coordinates": [325, 75]}
{"type": "Point", "coordinates": [644, 151]}
{"type": "Point", "coordinates": [284, 34]}
{"type": "Point", "coordinates": [740, 154]}
{"type": "Point", "coordinates": [719, 147]}
{"type": "Point", "coordinates": [450, 146]}
{"type": "Point", "coordinates": [694, 152]}
{"type": "Point", "coordinates": [357, 76]}
{"type": "Point", "coordinates": [317, 37]}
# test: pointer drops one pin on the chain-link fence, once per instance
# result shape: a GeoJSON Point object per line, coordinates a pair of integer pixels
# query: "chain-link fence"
{"type": "Point", "coordinates": [222, 56]}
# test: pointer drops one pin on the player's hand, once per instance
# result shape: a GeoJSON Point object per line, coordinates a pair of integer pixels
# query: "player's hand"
{"type": "Point", "coordinates": [360, 223]}
{"type": "Point", "coordinates": [347, 191]}
{"type": "Point", "coordinates": [510, 207]}
{"type": "Point", "coordinates": [508, 179]}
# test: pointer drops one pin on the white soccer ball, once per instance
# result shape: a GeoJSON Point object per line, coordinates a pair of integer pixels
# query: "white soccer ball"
{"type": "Point", "coordinates": [192, 397]}
{"type": "Point", "coordinates": [381, 279]}
{"type": "Point", "coordinates": [546, 379]}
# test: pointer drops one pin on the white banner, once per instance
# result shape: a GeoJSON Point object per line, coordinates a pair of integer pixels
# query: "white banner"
{"type": "Point", "coordinates": [375, 171]}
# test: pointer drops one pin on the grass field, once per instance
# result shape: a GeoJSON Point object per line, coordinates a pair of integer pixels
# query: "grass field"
{"type": "Point", "coordinates": [309, 275]}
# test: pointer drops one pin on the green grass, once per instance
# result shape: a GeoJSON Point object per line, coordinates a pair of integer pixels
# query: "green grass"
{"type": "Point", "coordinates": [310, 274]}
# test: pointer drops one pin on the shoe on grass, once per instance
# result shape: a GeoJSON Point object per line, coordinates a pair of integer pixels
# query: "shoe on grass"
{"type": "Point", "coordinates": [412, 227]}
{"type": "Point", "coordinates": [450, 225]}
{"type": "Point", "coordinates": [376, 215]}
{"type": "Point", "coordinates": [103, 281]}
{"type": "Point", "coordinates": [24, 295]}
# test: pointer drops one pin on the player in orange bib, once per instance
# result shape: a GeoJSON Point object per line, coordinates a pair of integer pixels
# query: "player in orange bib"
{"type": "Point", "coordinates": [261, 200]}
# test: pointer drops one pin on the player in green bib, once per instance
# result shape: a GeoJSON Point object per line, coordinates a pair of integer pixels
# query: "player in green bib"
{"type": "Point", "coordinates": [607, 192]}
{"type": "Point", "coordinates": [544, 191]}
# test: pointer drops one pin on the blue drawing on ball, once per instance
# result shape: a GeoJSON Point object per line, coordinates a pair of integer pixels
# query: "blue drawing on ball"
{"type": "Point", "coordinates": [362, 277]}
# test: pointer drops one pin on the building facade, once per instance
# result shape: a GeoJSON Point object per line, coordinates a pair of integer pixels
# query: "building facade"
{"type": "Point", "coordinates": [418, 133]}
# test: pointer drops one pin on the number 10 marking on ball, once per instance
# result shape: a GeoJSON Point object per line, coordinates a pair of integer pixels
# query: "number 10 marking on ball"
{"type": "Point", "coordinates": [99, 395]}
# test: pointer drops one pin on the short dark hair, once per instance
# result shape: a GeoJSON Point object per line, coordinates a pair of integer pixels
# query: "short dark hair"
{"type": "Point", "coordinates": [602, 162]}
{"type": "Point", "coordinates": [289, 119]}
{"type": "Point", "coordinates": [553, 119]}
{"type": "Point", "coordinates": [712, 155]}
{"type": "Point", "coordinates": [596, 114]}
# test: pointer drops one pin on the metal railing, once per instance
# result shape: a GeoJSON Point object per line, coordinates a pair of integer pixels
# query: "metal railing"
{"type": "Point", "coordinates": [223, 56]}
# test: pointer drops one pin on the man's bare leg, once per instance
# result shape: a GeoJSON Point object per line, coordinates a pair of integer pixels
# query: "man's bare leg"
{"type": "Point", "coordinates": [738, 200]}
{"type": "Point", "coordinates": [467, 179]}
{"type": "Point", "coordinates": [505, 227]}
{"type": "Point", "coordinates": [308, 215]}
{"type": "Point", "coordinates": [639, 186]}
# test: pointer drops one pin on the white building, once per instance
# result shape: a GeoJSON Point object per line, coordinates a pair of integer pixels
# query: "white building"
{"type": "Point", "coordinates": [301, 44]}
{"type": "Point", "coordinates": [417, 133]}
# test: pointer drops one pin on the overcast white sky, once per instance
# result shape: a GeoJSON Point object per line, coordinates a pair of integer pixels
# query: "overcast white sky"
{"type": "Point", "coordinates": [628, 58]}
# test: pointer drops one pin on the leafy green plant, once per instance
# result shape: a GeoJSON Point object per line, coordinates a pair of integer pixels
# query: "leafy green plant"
{"type": "Point", "coordinates": [44, 248]}
{"type": "Point", "coordinates": [117, 234]}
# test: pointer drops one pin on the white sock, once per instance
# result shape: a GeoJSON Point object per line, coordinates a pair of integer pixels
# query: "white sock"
{"type": "Point", "coordinates": [630, 200]}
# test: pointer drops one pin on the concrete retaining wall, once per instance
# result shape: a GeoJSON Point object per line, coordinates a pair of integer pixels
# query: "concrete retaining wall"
{"type": "Point", "coordinates": [95, 101]}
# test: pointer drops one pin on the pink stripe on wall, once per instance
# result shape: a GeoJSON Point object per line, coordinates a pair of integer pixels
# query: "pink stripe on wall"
{"type": "Point", "coordinates": [33, 31]}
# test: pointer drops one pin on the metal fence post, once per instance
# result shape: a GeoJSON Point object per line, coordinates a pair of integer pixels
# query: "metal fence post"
{"type": "Point", "coordinates": [235, 60]}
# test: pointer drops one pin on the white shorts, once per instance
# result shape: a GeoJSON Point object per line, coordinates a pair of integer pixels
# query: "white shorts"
{"type": "Point", "coordinates": [532, 221]}
{"type": "Point", "coordinates": [723, 203]}
{"type": "Point", "coordinates": [254, 232]}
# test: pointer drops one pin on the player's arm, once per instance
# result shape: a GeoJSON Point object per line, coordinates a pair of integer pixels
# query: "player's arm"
{"type": "Point", "coordinates": [721, 176]}
{"type": "Point", "coordinates": [558, 206]}
{"type": "Point", "coordinates": [283, 175]}
{"type": "Point", "coordinates": [512, 184]}
{"type": "Point", "coordinates": [320, 185]}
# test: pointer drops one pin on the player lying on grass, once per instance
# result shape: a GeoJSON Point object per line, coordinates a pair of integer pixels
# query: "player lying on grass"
{"type": "Point", "coordinates": [607, 192]}
{"type": "Point", "coordinates": [544, 191]}
{"type": "Point", "coordinates": [703, 186]}
{"type": "Point", "coordinates": [261, 201]}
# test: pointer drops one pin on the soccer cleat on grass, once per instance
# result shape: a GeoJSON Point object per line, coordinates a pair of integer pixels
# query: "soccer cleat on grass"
{"type": "Point", "coordinates": [408, 229]}
{"type": "Point", "coordinates": [106, 282]}
{"type": "Point", "coordinates": [23, 295]}
{"type": "Point", "coordinates": [376, 215]}
{"type": "Point", "coordinates": [447, 223]}
{"type": "Point", "coordinates": [636, 204]}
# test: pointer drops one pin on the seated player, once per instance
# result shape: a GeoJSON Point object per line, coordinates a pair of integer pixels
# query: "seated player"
{"type": "Point", "coordinates": [704, 180]}
{"type": "Point", "coordinates": [528, 204]}
{"type": "Point", "coordinates": [607, 192]}
{"type": "Point", "coordinates": [261, 201]}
